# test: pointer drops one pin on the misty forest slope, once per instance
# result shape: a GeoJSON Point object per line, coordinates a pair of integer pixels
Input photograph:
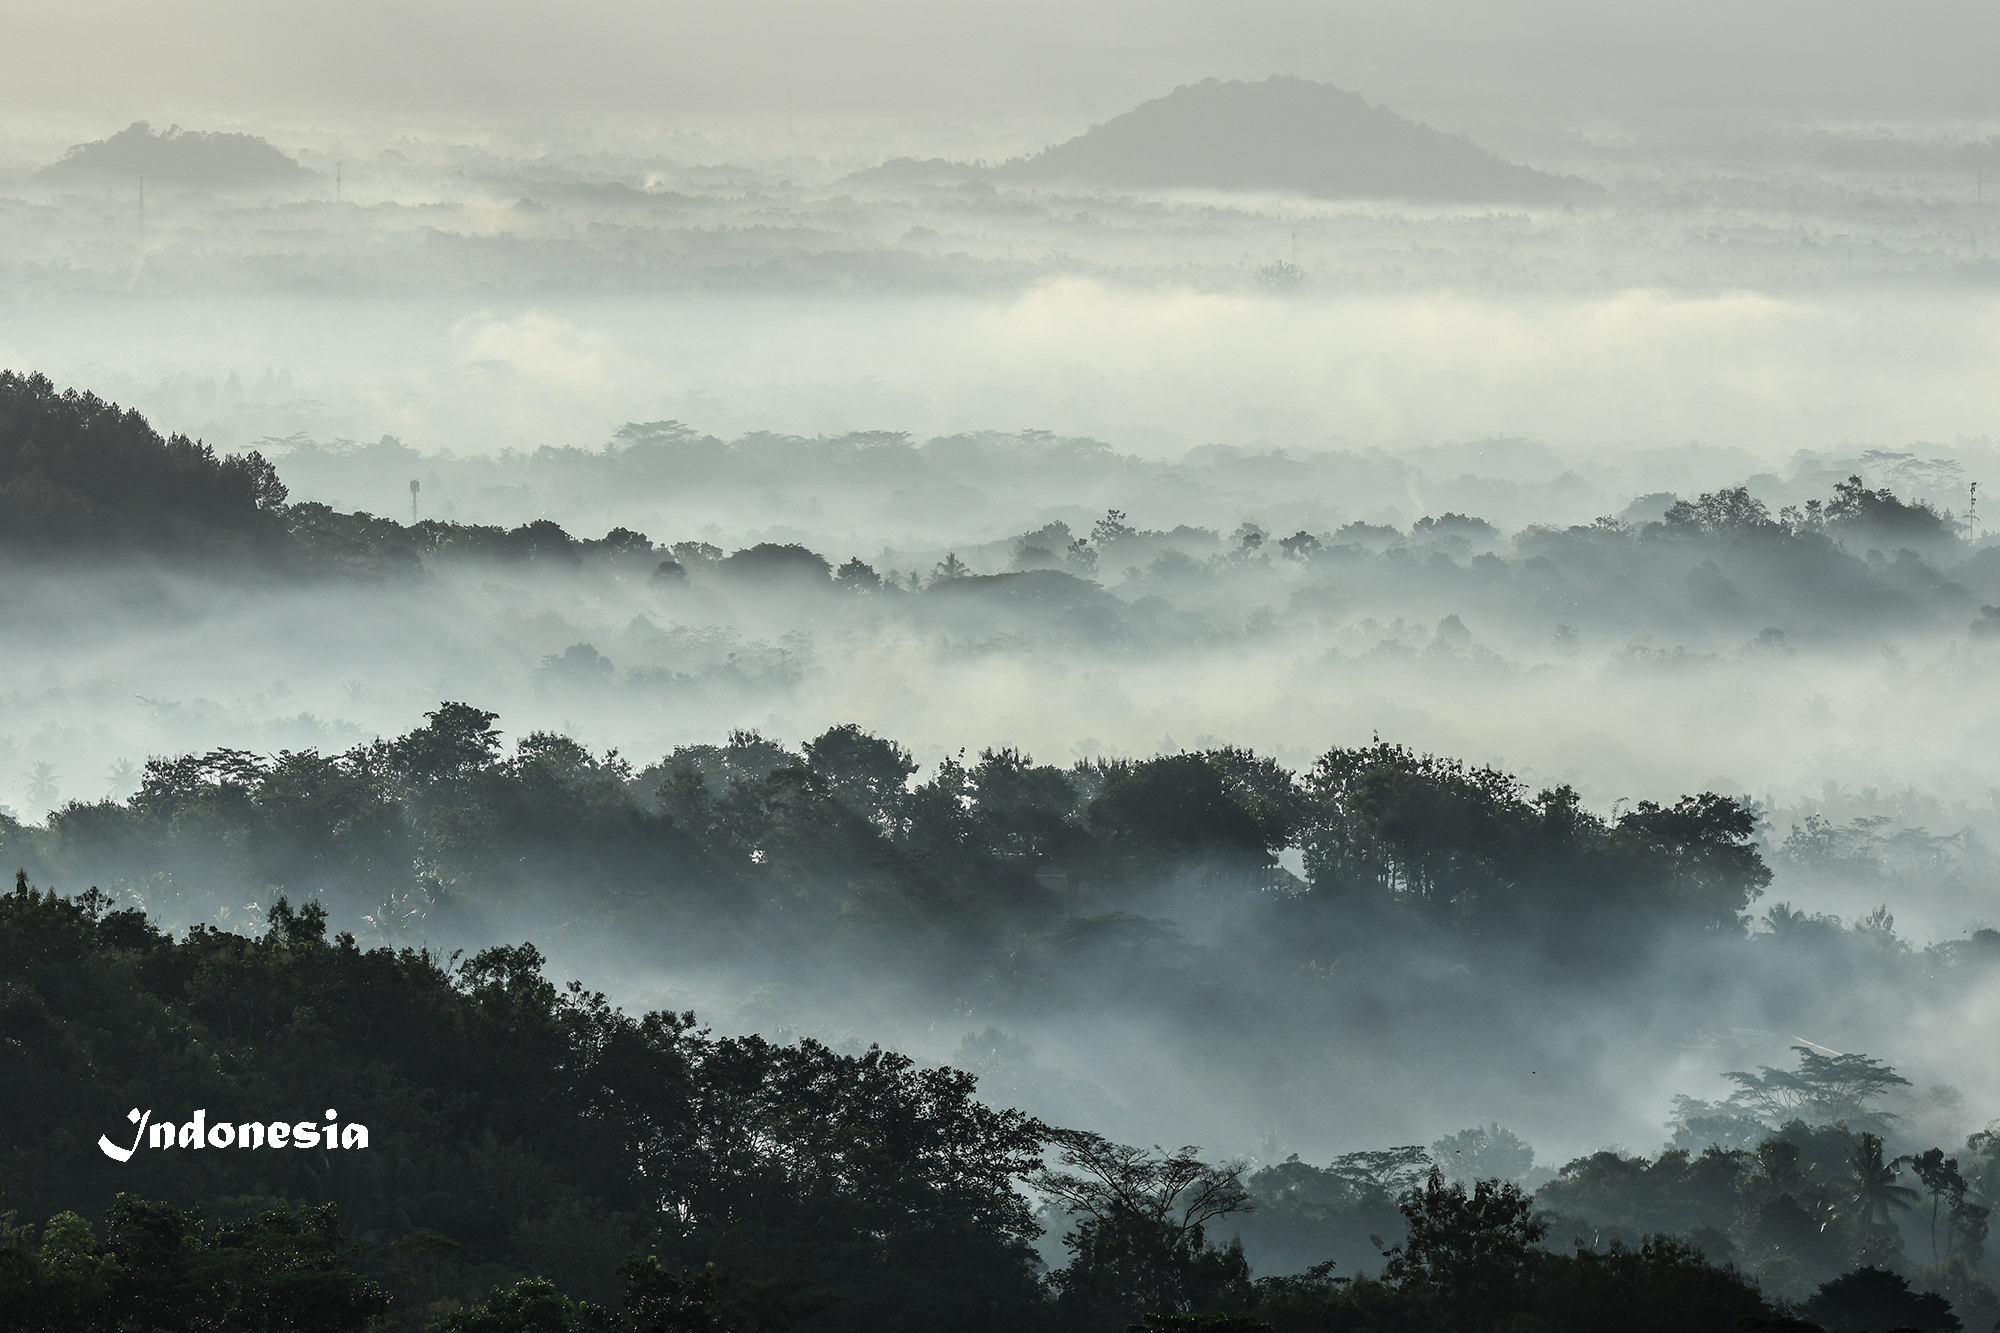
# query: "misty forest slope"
{"type": "Point", "coordinates": [537, 1155]}
{"type": "Point", "coordinates": [1512, 931]}
{"type": "Point", "coordinates": [1334, 950]}
{"type": "Point", "coordinates": [81, 477]}
{"type": "Point", "coordinates": [1286, 134]}
{"type": "Point", "coordinates": [1772, 614]}
{"type": "Point", "coordinates": [755, 841]}
{"type": "Point", "coordinates": [78, 477]}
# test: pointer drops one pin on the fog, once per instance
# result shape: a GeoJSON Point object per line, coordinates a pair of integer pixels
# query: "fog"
{"type": "Point", "coordinates": [1832, 703]}
{"type": "Point", "coordinates": [470, 298]}
{"type": "Point", "coordinates": [1133, 471]}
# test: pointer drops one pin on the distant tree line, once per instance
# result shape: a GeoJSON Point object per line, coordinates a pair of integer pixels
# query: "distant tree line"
{"type": "Point", "coordinates": [837, 839]}
{"type": "Point", "coordinates": [79, 476]}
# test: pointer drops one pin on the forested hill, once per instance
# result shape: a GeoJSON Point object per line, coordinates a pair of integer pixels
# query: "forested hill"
{"type": "Point", "coordinates": [537, 1161]}
{"type": "Point", "coordinates": [194, 159]}
{"type": "Point", "coordinates": [78, 475]}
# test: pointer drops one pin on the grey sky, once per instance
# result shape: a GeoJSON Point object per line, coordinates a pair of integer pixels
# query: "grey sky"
{"type": "Point", "coordinates": [373, 61]}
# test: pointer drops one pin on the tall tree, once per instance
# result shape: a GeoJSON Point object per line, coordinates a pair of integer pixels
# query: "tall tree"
{"type": "Point", "coordinates": [1877, 1195]}
{"type": "Point", "coordinates": [1140, 1245]}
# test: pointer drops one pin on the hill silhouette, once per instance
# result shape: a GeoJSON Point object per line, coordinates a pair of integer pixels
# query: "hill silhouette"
{"type": "Point", "coordinates": [1287, 134]}
{"type": "Point", "coordinates": [196, 158]}
{"type": "Point", "coordinates": [79, 474]}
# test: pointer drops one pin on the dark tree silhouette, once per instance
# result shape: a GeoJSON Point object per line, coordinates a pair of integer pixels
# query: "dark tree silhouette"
{"type": "Point", "coordinates": [77, 475]}
{"type": "Point", "coordinates": [1876, 1194]}
{"type": "Point", "coordinates": [1872, 1299]}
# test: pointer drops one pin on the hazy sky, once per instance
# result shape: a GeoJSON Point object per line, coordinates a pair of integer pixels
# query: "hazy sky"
{"type": "Point", "coordinates": [372, 62]}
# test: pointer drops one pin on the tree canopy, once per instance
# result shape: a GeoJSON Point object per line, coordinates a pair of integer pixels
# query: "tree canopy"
{"type": "Point", "coordinates": [77, 473]}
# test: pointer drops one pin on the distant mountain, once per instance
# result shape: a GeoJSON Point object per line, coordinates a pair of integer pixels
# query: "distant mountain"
{"type": "Point", "coordinates": [1287, 134]}
{"type": "Point", "coordinates": [195, 158]}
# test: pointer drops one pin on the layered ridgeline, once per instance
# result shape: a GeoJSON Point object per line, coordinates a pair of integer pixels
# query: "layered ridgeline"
{"type": "Point", "coordinates": [81, 478]}
{"type": "Point", "coordinates": [539, 1161]}
{"type": "Point", "coordinates": [1286, 134]}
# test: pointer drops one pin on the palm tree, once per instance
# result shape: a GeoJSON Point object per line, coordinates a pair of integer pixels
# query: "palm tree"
{"type": "Point", "coordinates": [1876, 1192]}
{"type": "Point", "coordinates": [39, 784]}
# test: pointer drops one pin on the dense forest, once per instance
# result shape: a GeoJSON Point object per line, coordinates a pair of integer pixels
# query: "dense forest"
{"type": "Point", "coordinates": [78, 476]}
{"type": "Point", "coordinates": [834, 836]}
{"type": "Point", "coordinates": [532, 1133]}
{"type": "Point", "coordinates": [540, 1160]}
{"type": "Point", "coordinates": [251, 937]}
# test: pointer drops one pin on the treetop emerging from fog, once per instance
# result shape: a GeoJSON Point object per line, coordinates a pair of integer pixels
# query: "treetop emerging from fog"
{"type": "Point", "coordinates": [839, 832]}
{"type": "Point", "coordinates": [77, 474]}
